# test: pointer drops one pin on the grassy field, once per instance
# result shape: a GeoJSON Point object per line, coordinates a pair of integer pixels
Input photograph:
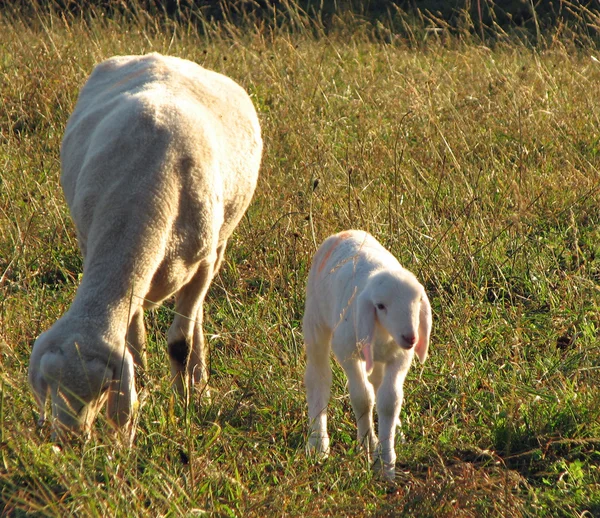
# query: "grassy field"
{"type": "Point", "coordinates": [477, 165]}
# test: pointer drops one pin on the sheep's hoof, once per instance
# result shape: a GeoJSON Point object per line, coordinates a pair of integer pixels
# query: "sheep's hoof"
{"type": "Point", "coordinates": [200, 389]}
{"type": "Point", "coordinates": [204, 394]}
{"type": "Point", "coordinates": [376, 455]}
{"type": "Point", "coordinates": [389, 473]}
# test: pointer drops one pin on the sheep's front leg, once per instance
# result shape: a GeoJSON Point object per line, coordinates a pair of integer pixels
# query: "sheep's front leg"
{"type": "Point", "coordinates": [317, 380]}
{"type": "Point", "coordinates": [362, 398]}
{"type": "Point", "coordinates": [389, 404]}
{"type": "Point", "coordinates": [136, 340]}
{"type": "Point", "coordinates": [186, 337]}
{"type": "Point", "coordinates": [220, 255]}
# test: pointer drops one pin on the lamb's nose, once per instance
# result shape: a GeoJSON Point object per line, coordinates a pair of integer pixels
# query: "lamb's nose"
{"type": "Point", "coordinates": [410, 339]}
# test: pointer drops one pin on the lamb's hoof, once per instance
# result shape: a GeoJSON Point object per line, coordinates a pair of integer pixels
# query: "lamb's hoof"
{"type": "Point", "coordinates": [386, 470]}
{"type": "Point", "coordinates": [402, 438]}
{"type": "Point", "coordinates": [372, 449]}
{"type": "Point", "coordinates": [318, 448]}
{"type": "Point", "coordinates": [200, 393]}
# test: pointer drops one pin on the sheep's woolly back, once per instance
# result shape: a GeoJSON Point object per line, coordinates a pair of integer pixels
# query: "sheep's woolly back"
{"type": "Point", "coordinates": [159, 160]}
{"type": "Point", "coordinates": [166, 151]}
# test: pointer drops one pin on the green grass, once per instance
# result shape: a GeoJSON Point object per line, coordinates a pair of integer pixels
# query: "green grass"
{"type": "Point", "coordinates": [478, 166]}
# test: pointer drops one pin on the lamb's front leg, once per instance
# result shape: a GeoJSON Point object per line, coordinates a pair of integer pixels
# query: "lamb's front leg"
{"type": "Point", "coordinates": [362, 398]}
{"type": "Point", "coordinates": [389, 404]}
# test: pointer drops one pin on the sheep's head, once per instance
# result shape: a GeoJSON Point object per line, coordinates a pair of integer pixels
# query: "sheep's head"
{"type": "Point", "coordinates": [80, 377]}
{"type": "Point", "coordinates": [397, 302]}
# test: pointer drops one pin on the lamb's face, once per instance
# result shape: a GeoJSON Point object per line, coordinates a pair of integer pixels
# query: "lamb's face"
{"type": "Point", "coordinates": [397, 302]}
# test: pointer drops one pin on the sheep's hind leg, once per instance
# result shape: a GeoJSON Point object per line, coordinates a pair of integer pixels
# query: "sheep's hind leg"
{"type": "Point", "coordinates": [376, 376]}
{"type": "Point", "coordinates": [186, 338]}
{"type": "Point", "coordinates": [220, 255]}
{"type": "Point", "coordinates": [198, 364]}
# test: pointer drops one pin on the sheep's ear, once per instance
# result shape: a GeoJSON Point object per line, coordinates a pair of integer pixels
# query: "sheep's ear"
{"type": "Point", "coordinates": [422, 346]}
{"type": "Point", "coordinates": [39, 386]}
{"type": "Point", "coordinates": [365, 328]}
{"type": "Point", "coordinates": [122, 397]}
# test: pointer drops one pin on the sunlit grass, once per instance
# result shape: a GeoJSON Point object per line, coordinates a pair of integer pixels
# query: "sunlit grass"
{"type": "Point", "coordinates": [477, 165]}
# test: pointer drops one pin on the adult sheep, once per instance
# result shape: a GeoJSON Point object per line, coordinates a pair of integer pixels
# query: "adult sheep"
{"type": "Point", "coordinates": [159, 160]}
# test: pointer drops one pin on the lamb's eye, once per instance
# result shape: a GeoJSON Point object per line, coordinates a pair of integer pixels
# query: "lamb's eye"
{"type": "Point", "coordinates": [380, 306]}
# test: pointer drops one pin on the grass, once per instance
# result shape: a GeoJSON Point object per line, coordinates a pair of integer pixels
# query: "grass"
{"type": "Point", "coordinates": [476, 165]}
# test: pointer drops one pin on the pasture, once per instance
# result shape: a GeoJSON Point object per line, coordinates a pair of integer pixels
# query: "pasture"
{"type": "Point", "coordinates": [476, 163]}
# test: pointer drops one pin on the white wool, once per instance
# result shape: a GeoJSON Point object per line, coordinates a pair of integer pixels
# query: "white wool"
{"type": "Point", "coordinates": [160, 160]}
{"type": "Point", "coordinates": [374, 315]}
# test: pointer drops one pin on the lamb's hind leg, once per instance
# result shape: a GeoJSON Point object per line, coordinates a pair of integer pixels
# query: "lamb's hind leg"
{"type": "Point", "coordinates": [317, 380]}
{"type": "Point", "coordinates": [186, 337]}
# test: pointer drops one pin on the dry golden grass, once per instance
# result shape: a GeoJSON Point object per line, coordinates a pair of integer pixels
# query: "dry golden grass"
{"type": "Point", "coordinates": [477, 165]}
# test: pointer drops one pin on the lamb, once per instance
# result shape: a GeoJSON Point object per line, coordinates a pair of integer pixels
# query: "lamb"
{"type": "Point", "coordinates": [160, 160]}
{"type": "Point", "coordinates": [375, 316]}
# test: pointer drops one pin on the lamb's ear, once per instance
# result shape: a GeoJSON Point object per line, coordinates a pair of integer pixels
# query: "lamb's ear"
{"type": "Point", "coordinates": [365, 328]}
{"type": "Point", "coordinates": [38, 384]}
{"type": "Point", "coordinates": [122, 397]}
{"type": "Point", "coordinates": [422, 346]}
